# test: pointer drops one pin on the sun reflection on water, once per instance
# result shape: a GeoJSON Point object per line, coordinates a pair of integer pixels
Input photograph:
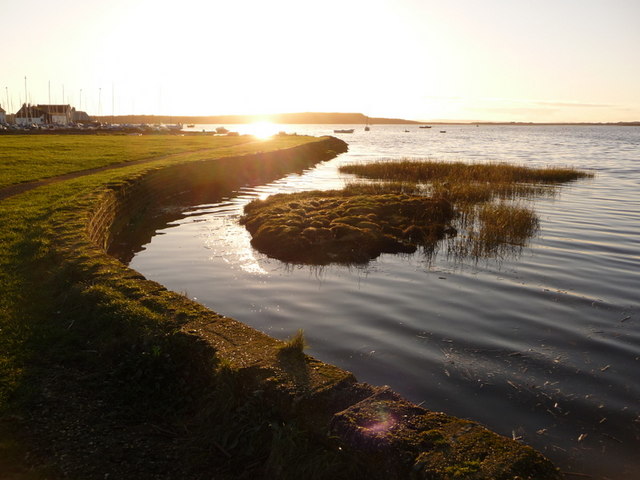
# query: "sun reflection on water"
{"type": "Point", "coordinates": [233, 247]}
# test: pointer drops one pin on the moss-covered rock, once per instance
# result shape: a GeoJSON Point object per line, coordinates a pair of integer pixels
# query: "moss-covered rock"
{"type": "Point", "coordinates": [405, 440]}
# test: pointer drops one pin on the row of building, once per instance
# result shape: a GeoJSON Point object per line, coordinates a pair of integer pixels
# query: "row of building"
{"type": "Point", "coordinates": [44, 115]}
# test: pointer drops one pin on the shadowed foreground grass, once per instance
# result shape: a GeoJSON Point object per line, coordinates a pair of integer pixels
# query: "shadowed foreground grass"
{"type": "Point", "coordinates": [405, 206]}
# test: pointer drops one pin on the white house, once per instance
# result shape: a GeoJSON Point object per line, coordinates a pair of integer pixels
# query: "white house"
{"type": "Point", "coordinates": [44, 114]}
{"type": "Point", "coordinates": [3, 115]}
{"type": "Point", "coordinates": [57, 114]}
{"type": "Point", "coordinates": [30, 114]}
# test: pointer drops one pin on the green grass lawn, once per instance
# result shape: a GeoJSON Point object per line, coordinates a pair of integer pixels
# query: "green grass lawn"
{"type": "Point", "coordinates": [25, 158]}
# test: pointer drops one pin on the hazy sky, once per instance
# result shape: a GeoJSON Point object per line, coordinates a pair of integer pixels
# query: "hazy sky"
{"type": "Point", "coordinates": [499, 60]}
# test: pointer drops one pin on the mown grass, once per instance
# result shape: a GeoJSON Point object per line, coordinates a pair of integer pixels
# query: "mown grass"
{"type": "Point", "coordinates": [403, 206]}
{"type": "Point", "coordinates": [25, 158]}
{"type": "Point", "coordinates": [80, 329]}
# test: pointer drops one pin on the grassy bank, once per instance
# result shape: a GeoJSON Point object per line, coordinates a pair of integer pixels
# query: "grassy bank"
{"type": "Point", "coordinates": [96, 375]}
{"type": "Point", "coordinates": [104, 374]}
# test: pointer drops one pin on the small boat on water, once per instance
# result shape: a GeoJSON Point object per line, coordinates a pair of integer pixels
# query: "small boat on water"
{"type": "Point", "coordinates": [425, 126]}
{"type": "Point", "coordinates": [345, 130]}
{"type": "Point", "coordinates": [443, 131]}
{"type": "Point", "coordinates": [367, 128]}
{"type": "Point", "coordinates": [191, 125]}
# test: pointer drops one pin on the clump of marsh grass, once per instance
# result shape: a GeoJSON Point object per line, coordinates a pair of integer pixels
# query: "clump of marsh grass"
{"type": "Point", "coordinates": [383, 187]}
{"type": "Point", "coordinates": [403, 206]}
{"type": "Point", "coordinates": [488, 228]}
{"type": "Point", "coordinates": [507, 223]}
{"type": "Point", "coordinates": [460, 172]}
{"type": "Point", "coordinates": [347, 226]}
{"type": "Point", "coordinates": [467, 193]}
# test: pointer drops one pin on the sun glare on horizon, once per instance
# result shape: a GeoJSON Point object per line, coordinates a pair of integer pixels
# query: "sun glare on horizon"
{"type": "Point", "coordinates": [262, 130]}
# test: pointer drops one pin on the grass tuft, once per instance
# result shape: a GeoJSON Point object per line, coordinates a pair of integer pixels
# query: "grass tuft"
{"type": "Point", "coordinates": [295, 345]}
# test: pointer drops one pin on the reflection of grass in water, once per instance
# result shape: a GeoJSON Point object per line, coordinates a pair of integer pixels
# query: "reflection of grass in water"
{"type": "Point", "coordinates": [404, 206]}
{"type": "Point", "coordinates": [499, 230]}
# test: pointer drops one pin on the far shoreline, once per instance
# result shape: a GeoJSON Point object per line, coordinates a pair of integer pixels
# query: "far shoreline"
{"type": "Point", "coordinates": [321, 118]}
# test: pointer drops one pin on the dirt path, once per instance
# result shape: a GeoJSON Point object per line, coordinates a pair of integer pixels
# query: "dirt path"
{"type": "Point", "coordinates": [19, 188]}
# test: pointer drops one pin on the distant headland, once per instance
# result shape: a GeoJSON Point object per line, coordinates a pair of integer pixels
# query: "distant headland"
{"type": "Point", "coordinates": [316, 118]}
{"type": "Point", "coordinates": [65, 115]}
{"type": "Point", "coordinates": [284, 118]}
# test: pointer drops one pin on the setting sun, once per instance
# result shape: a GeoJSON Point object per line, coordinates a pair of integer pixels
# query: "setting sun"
{"type": "Point", "coordinates": [262, 130]}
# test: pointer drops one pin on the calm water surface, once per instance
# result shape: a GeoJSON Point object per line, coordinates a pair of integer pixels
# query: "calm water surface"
{"type": "Point", "coordinates": [543, 346]}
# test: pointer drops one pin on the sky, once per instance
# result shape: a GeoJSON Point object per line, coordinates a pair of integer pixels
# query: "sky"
{"type": "Point", "coordinates": [468, 60]}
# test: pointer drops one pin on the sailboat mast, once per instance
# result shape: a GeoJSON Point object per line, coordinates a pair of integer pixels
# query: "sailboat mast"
{"type": "Point", "coordinates": [25, 100]}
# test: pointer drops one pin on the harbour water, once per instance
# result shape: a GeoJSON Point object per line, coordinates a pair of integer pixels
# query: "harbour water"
{"type": "Point", "coordinates": [542, 345]}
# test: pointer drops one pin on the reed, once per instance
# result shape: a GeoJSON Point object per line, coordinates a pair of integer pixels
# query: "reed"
{"type": "Point", "coordinates": [459, 172]}
{"type": "Point", "coordinates": [469, 193]}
